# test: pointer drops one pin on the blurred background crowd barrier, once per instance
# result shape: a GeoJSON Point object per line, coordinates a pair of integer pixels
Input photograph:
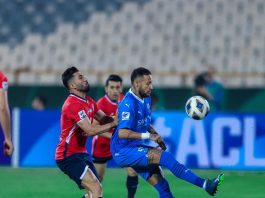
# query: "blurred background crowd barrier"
{"type": "Point", "coordinates": [232, 141]}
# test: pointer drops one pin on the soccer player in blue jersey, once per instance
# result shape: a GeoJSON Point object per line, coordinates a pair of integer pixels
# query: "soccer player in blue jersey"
{"type": "Point", "coordinates": [128, 141]}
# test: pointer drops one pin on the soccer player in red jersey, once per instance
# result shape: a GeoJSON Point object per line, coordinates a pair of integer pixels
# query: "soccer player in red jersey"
{"type": "Point", "coordinates": [101, 143]}
{"type": "Point", "coordinates": [108, 104]}
{"type": "Point", "coordinates": [5, 115]}
{"type": "Point", "coordinates": [77, 116]}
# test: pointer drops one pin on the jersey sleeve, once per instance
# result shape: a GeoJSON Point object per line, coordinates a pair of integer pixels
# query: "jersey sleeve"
{"type": "Point", "coordinates": [3, 81]}
{"type": "Point", "coordinates": [76, 112]}
{"type": "Point", "coordinates": [100, 105]}
{"type": "Point", "coordinates": [126, 116]}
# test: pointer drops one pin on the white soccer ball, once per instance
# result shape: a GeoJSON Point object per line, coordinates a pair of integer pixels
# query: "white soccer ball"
{"type": "Point", "coordinates": [197, 107]}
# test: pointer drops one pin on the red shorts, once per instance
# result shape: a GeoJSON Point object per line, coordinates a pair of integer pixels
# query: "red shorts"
{"type": "Point", "coordinates": [101, 147]}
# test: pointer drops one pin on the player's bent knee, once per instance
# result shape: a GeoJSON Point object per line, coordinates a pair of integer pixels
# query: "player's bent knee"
{"type": "Point", "coordinates": [94, 187]}
{"type": "Point", "coordinates": [154, 155]}
{"type": "Point", "coordinates": [98, 189]}
{"type": "Point", "coordinates": [131, 172]}
{"type": "Point", "coordinates": [91, 183]}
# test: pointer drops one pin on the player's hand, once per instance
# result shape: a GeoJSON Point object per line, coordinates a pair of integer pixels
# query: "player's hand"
{"type": "Point", "coordinates": [155, 137]}
{"type": "Point", "coordinates": [8, 148]}
{"type": "Point", "coordinates": [106, 119]}
{"type": "Point", "coordinates": [160, 141]}
{"type": "Point", "coordinates": [161, 144]}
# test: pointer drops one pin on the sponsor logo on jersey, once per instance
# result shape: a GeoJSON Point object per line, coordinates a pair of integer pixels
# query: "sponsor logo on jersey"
{"type": "Point", "coordinates": [5, 85]}
{"type": "Point", "coordinates": [82, 114]}
{"type": "Point", "coordinates": [125, 116]}
{"type": "Point", "coordinates": [144, 121]}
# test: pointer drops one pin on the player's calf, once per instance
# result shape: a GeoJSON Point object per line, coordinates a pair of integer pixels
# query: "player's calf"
{"type": "Point", "coordinates": [131, 184]}
{"type": "Point", "coordinates": [91, 183]}
{"type": "Point", "coordinates": [163, 189]}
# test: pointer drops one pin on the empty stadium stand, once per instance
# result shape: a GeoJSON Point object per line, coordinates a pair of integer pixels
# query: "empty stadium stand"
{"type": "Point", "coordinates": [174, 38]}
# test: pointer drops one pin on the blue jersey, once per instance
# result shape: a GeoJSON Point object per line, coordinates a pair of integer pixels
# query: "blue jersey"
{"type": "Point", "coordinates": [134, 114]}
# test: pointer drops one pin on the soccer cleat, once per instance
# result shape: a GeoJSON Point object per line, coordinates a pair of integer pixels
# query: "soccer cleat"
{"type": "Point", "coordinates": [213, 184]}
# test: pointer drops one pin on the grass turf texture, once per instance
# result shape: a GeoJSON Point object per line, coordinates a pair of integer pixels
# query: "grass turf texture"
{"type": "Point", "coordinates": [51, 183]}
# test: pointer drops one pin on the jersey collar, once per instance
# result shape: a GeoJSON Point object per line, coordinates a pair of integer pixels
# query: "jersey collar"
{"type": "Point", "coordinates": [107, 97]}
{"type": "Point", "coordinates": [78, 97]}
{"type": "Point", "coordinates": [136, 97]}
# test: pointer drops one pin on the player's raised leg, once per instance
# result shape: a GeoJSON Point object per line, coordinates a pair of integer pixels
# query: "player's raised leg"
{"type": "Point", "coordinates": [91, 183]}
{"type": "Point", "coordinates": [164, 158]}
{"type": "Point", "coordinates": [131, 182]}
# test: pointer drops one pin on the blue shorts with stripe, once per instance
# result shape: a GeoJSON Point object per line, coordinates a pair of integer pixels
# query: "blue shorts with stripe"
{"type": "Point", "coordinates": [137, 158]}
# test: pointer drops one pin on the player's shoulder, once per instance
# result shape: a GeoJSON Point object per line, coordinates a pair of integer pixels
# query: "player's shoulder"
{"type": "Point", "coordinates": [126, 98]}
{"type": "Point", "coordinates": [68, 102]}
{"type": "Point", "coordinates": [90, 99]}
{"type": "Point", "coordinates": [102, 100]}
{"type": "Point", "coordinates": [127, 102]}
{"type": "Point", "coordinates": [73, 102]}
{"type": "Point", "coordinates": [3, 77]}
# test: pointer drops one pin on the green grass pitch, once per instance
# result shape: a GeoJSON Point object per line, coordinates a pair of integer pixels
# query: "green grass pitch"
{"type": "Point", "coordinates": [51, 183]}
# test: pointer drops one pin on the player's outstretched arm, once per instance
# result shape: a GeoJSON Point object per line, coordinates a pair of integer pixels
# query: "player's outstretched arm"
{"type": "Point", "coordinates": [90, 129]}
{"type": "Point", "coordinates": [106, 135]}
{"type": "Point", "coordinates": [160, 141]}
{"type": "Point", "coordinates": [129, 134]}
{"type": "Point", "coordinates": [101, 118]}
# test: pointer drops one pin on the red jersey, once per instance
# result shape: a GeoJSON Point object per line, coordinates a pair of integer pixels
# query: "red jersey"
{"type": "Point", "coordinates": [100, 144]}
{"type": "Point", "coordinates": [73, 139]}
{"type": "Point", "coordinates": [3, 81]}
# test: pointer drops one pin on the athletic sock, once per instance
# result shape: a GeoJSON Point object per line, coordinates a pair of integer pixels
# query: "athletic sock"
{"type": "Point", "coordinates": [163, 189]}
{"type": "Point", "coordinates": [179, 170]}
{"type": "Point", "coordinates": [131, 184]}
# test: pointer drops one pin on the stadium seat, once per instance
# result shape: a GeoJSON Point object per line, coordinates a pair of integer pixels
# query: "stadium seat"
{"type": "Point", "coordinates": [113, 35]}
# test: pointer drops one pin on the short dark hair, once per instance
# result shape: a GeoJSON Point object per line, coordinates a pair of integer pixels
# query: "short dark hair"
{"type": "Point", "coordinates": [113, 77]}
{"type": "Point", "coordinates": [67, 75]}
{"type": "Point", "coordinates": [140, 71]}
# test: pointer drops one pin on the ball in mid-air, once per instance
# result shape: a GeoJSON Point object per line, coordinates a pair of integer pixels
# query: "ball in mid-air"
{"type": "Point", "coordinates": [197, 107]}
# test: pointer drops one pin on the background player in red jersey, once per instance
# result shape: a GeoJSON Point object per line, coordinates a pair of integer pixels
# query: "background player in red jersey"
{"type": "Point", "coordinates": [108, 104]}
{"type": "Point", "coordinates": [77, 116]}
{"type": "Point", "coordinates": [101, 143]}
{"type": "Point", "coordinates": [5, 115]}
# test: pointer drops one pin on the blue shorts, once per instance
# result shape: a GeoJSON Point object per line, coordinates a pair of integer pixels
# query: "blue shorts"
{"type": "Point", "coordinates": [75, 166]}
{"type": "Point", "coordinates": [131, 156]}
{"type": "Point", "coordinates": [136, 157]}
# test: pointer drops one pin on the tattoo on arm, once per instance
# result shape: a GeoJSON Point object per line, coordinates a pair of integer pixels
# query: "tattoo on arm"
{"type": "Point", "coordinates": [160, 143]}
{"type": "Point", "coordinates": [151, 130]}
